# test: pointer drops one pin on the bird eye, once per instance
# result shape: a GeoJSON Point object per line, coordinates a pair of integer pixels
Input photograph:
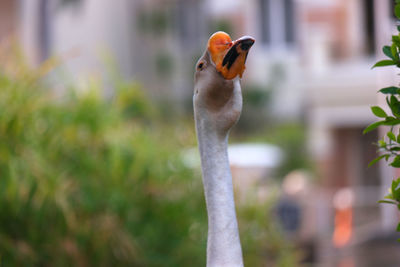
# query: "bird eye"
{"type": "Point", "coordinates": [200, 66]}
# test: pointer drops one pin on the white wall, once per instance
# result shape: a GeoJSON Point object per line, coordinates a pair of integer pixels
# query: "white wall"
{"type": "Point", "coordinates": [83, 35]}
{"type": "Point", "coordinates": [98, 29]}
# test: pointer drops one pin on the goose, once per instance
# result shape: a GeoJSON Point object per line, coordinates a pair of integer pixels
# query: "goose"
{"type": "Point", "coordinates": [217, 103]}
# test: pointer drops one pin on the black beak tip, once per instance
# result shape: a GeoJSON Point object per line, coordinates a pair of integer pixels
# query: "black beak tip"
{"type": "Point", "coordinates": [246, 43]}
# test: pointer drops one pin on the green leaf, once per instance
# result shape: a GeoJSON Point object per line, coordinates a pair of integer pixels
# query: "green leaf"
{"type": "Point", "coordinates": [376, 160]}
{"type": "Point", "coordinates": [384, 63]}
{"type": "Point", "coordinates": [387, 201]}
{"type": "Point", "coordinates": [398, 228]}
{"type": "Point", "coordinates": [391, 136]}
{"type": "Point", "coordinates": [396, 40]}
{"type": "Point", "coordinates": [393, 50]}
{"type": "Point", "coordinates": [387, 50]}
{"type": "Point", "coordinates": [373, 126]}
{"type": "Point", "coordinates": [394, 187]}
{"type": "Point", "coordinates": [394, 105]}
{"type": "Point", "coordinates": [382, 143]}
{"type": "Point", "coordinates": [397, 11]}
{"type": "Point", "coordinates": [393, 90]}
{"type": "Point", "coordinates": [395, 163]}
{"type": "Point", "coordinates": [393, 100]}
{"type": "Point", "coordinates": [398, 28]}
{"type": "Point", "coordinates": [379, 112]}
{"type": "Point", "coordinates": [389, 196]}
{"type": "Point", "coordinates": [390, 121]}
{"type": "Point", "coordinates": [398, 138]}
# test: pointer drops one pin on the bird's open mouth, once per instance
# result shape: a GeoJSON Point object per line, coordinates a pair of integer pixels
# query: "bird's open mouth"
{"type": "Point", "coordinates": [229, 56]}
{"type": "Point", "coordinates": [239, 47]}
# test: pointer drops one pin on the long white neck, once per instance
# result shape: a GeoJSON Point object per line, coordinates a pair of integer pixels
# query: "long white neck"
{"type": "Point", "coordinates": [223, 244]}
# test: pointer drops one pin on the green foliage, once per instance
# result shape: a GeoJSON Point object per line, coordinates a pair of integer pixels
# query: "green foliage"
{"type": "Point", "coordinates": [393, 90]}
{"type": "Point", "coordinates": [277, 251]}
{"type": "Point", "coordinates": [397, 10]}
{"type": "Point", "coordinates": [379, 112]}
{"type": "Point", "coordinates": [384, 63]}
{"type": "Point", "coordinates": [388, 51]}
{"type": "Point", "coordinates": [85, 182]}
{"type": "Point", "coordinates": [394, 194]}
{"type": "Point", "coordinates": [373, 126]}
{"type": "Point", "coordinates": [89, 181]}
{"type": "Point", "coordinates": [389, 145]}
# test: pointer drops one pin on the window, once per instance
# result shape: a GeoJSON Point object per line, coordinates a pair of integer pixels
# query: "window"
{"type": "Point", "coordinates": [277, 18]}
{"type": "Point", "coordinates": [289, 21]}
{"type": "Point", "coordinates": [43, 30]}
{"type": "Point", "coordinates": [369, 28]}
{"type": "Point", "coordinates": [189, 18]}
{"type": "Point", "coordinates": [265, 29]}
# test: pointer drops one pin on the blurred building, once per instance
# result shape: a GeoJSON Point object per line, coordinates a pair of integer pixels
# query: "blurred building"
{"type": "Point", "coordinates": [154, 42]}
{"type": "Point", "coordinates": [325, 50]}
{"type": "Point", "coordinates": [8, 18]}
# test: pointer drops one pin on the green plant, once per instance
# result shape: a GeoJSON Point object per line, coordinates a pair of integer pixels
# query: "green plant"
{"type": "Point", "coordinates": [255, 227]}
{"type": "Point", "coordinates": [88, 181]}
{"type": "Point", "coordinates": [93, 181]}
{"type": "Point", "coordinates": [389, 145]}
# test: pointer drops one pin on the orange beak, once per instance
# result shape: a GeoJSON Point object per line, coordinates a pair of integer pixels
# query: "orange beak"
{"type": "Point", "coordinates": [229, 57]}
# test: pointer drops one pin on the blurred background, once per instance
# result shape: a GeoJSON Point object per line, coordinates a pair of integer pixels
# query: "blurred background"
{"type": "Point", "coordinates": [98, 157]}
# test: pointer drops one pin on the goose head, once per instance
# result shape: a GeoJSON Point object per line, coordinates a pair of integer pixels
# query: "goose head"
{"type": "Point", "coordinates": [216, 84]}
